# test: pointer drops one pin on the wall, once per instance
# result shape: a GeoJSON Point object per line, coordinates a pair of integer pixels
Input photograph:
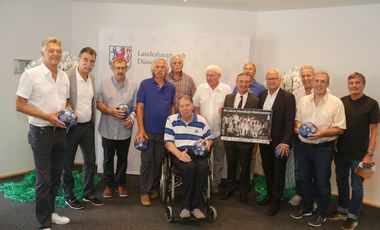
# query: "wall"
{"type": "Point", "coordinates": [338, 40]}
{"type": "Point", "coordinates": [23, 25]}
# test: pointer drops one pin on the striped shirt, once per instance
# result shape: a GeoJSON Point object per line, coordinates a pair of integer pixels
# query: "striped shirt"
{"type": "Point", "coordinates": [184, 86]}
{"type": "Point", "coordinates": [185, 135]}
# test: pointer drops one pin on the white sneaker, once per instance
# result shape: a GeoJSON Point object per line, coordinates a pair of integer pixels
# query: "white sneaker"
{"type": "Point", "coordinates": [46, 229]}
{"type": "Point", "coordinates": [57, 219]}
{"type": "Point", "coordinates": [295, 200]}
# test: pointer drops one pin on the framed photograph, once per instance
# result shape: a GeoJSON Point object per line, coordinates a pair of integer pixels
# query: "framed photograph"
{"type": "Point", "coordinates": [246, 125]}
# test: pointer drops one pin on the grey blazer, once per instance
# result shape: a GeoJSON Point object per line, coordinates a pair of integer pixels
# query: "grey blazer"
{"type": "Point", "coordinates": [71, 73]}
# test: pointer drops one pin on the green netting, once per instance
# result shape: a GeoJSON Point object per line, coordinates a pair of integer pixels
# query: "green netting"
{"type": "Point", "coordinates": [24, 191]}
{"type": "Point", "coordinates": [260, 187]}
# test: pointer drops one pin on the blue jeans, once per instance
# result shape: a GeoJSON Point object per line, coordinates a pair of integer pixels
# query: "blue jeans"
{"type": "Point", "coordinates": [315, 169]}
{"type": "Point", "coordinates": [343, 168]}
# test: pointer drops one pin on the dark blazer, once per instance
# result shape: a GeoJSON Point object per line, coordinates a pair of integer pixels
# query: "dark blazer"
{"type": "Point", "coordinates": [252, 103]}
{"type": "Point", "coordinates": [71, 73]}
{"type": "Point", "coordinates": [283, 115]}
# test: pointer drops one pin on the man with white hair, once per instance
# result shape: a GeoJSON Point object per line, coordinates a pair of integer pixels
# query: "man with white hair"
{"type": "Point", "coordinates": [208, 102]}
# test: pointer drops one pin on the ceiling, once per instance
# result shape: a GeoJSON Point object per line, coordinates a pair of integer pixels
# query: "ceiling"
{"type": "Point", "coordinates": [248, 5]}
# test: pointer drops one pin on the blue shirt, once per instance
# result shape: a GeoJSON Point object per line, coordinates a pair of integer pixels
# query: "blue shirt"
{"type": "Point", "coordinates": [256, 88]}
{"type": "Point", "coordinates": [184, 135]}
{"type": "Point", "coordinates": [112, 93]}
{"type": "Point", "coordinates": [157, 103]}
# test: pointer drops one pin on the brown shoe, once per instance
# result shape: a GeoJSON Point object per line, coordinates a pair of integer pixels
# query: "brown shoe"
{"type": "Point", "coordinates": [122, 191]}
{"type": "Point", "coordinates": [145, 200]}
{"type": "Point", "coordinates": [107, 192]}
{"type": "Point", "coordinates": [153, 194]}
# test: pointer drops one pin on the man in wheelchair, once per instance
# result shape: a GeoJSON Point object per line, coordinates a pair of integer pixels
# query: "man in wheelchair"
{"type": "Point", "coordinates": [182, 132]}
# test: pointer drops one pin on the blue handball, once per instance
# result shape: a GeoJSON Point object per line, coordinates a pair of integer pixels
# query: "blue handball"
{"type": "Point", "coordinates": [307, 129]}
{"type": "Point", "coordinates": [200, 149]}
{"type": "Point", "coordinates": [277, 153]}
{"type": "Point", "coordinates": [125, 109]}
{"type": "Point", "coordinates": [68, 117]}
{"type": "Point", "coordinates": [142, 144]}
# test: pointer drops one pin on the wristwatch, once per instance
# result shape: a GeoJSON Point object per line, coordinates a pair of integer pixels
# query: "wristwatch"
{"type": "Point", "coordinates": [371, 154]}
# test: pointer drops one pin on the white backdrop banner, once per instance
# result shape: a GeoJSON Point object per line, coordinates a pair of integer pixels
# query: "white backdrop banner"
{"type": "Point", "coordinates": [141, 47]}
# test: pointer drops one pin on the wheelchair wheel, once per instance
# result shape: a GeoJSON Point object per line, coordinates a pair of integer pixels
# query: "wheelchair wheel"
{"type": "Point", "coordinates": [211, 213]}
{"type": "Point", "coordinates": [169, 214]}
{"type": "Point", "coordinates": [164, 182]}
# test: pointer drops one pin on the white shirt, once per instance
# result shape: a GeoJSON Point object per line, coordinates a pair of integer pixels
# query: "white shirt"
{"type": "Point", "coordinates": [210, 103]}
{"type": "Point", "coordinates": [269, 100]}
{"type": "Point", "coordinates": [42, 92]}
{"type": "Point", "coordinates": [237, 100]}
{"type": "Point", "coordinates": [85, 95]}
{"type": "Point", "coordinates": [300, 92]}
{"type": "Point", "coordinates": [327, 114]}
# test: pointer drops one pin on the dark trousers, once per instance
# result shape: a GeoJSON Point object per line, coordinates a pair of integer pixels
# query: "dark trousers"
{"type": "Point", "coordinates": [194, 174]}
{"type": "Point", "coordinates": [242, 153]}
{"type": "Point", "coordinates": [274, 170]}
{"type": "Point", "coordinates": [121, 148]}
{"type": "Point", "coordinates": [315, 168]}
{"type": "Point", "coordinates": [49, 147]}
{"type": "Point", "coordinates": [80, 135]}
{"type": "Point", "coordinates": [343, 168]}
{"type": "Point", "coordinates": [151, 161]}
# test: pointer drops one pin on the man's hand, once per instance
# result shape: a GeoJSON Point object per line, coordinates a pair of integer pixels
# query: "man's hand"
{"type": "Point", "coordinates": [128, 123]}
{"type": "Point", "coordinates": [53, 119]}
{"type": "Point", "coordinates": [208, 143]}
{"type": "Point", "coordinates": [183, 156]}
{"type": "Point", "coordinates": [116, 113]}
{"type": "Point", "coordinates": [141, 135]}
{"type": "Point", "coordinates": [284, 149]}
{"type": "Point", "coordinates": [367, 161]}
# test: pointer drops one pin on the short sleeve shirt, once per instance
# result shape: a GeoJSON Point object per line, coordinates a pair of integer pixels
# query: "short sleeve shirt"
{"type": "Point", "coordinates": [43, 92]}
{"type": "Point", "coordinates": [157, 103]}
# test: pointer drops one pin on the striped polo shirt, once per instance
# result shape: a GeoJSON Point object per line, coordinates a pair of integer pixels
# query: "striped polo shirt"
{"type": "Point", "coordinates": [184, 135]}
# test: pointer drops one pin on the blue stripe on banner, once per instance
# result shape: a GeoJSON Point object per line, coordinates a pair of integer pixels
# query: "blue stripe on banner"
{"type": "Point", "coordinates": [169, 131]}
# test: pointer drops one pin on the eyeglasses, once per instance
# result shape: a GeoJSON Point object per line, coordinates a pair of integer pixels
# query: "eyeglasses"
{"type": "Point", "coordinates": [119, 68]}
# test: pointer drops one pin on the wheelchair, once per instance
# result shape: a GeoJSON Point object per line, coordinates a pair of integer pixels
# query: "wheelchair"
{"type": "Point", "coordinates": [172, 179]}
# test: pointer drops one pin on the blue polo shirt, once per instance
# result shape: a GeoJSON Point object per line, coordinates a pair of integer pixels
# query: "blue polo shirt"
{"type": "Point", "coordinates": [157, 102]}
{"type": "Point", "coordinates": [256, 88]}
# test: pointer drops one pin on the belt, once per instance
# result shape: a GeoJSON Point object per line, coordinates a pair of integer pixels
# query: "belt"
{"type": "Point", "coordinates": [84, 123]}
{"type": "Point", "coordinates": [45, 128]}
{"type": "Point", "coordinates": [323, 144]}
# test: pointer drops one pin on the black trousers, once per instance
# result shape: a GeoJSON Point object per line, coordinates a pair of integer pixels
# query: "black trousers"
{"type": "Point", "coordinates": [80, 135]}
{"type": "Point", "coordinates": [49, 147]}
{"type": "Point", "coordinates": [242, 153]}
{"type": "Point", "coordinates": [121, 148]}
{"type": "Point", "coordinates": [274, 170]}
{"type": "Point", "coordinates": [194, 175]}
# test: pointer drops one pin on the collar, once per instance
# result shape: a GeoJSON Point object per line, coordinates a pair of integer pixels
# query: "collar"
{"type": "Point", "coordinates": [275, 92]}
{"type": "Point", "coordinates": [116, 83]}
{"type": "Point", "coordinates": [195, 118]}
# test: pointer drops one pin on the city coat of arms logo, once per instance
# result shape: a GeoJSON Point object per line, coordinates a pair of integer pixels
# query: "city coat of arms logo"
{"type": "Point", "coordinates": [124, 52]}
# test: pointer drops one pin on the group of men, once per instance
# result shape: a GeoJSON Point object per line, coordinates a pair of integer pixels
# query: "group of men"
{"type": "Point", "coordinates": [46, 90]}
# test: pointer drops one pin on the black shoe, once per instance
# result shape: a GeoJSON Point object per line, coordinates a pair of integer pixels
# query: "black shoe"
{"type": "Point", "coordinates": [92, 199]}
{"type": "Point", "coordinates": [264, 201]}
{"type": "Point", "coordinates": [74, 204]}
{"type": "Point", "coordinates": [274, 209]}
{"type": "Point", "coordinates": [317, 221]}
{"type": "Point", "coordinates": [299, 213]}
{"type": "Point", "coordinates": [226, 195]}
{"type": "Point", "coordinates": [243, 198]}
